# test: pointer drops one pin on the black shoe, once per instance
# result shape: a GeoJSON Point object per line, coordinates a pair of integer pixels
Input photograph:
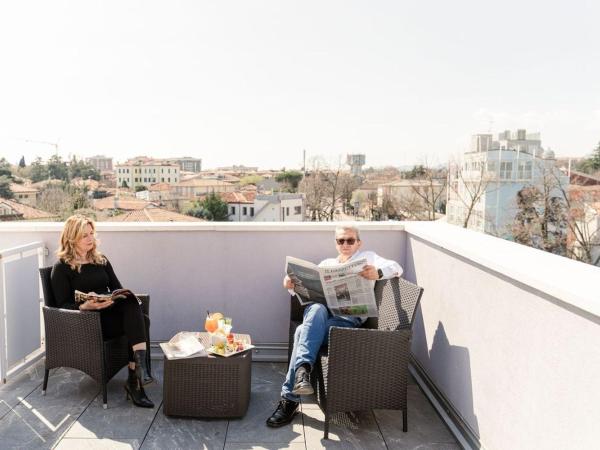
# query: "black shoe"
{"type": "Point", "coordinates": [141, 367]}
{"type": "Point", "coordinates": [302, 384]}
{"type": "Point", "coordinates": [136, 392]}
{"type": "Point", "coordinates": [285, 412]}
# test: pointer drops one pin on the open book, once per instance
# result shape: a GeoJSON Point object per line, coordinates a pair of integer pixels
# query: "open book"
{"type": "Point", "coordinates": [82, 297]}
{"type": "Point", "coordinates": [340, 288]}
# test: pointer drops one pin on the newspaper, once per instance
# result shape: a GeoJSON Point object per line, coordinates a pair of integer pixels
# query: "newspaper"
{"type": "Point", "coordinates": [183, 345]}
{"type": "Point", "coordinates": [340, 288]}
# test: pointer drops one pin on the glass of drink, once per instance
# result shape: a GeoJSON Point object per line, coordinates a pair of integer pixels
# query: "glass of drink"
{"type": "Point", "coordinates": [210, 324]}
{"type": "Point", "coordinates": [227, 325]}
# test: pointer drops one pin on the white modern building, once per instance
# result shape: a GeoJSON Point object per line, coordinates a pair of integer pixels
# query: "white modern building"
{"type": "Point", "coordinates": [283, 207]}
{"type": "Point", "coordinates": [499, 169]}
{"type": "Point", "coordinates": [144, 171]}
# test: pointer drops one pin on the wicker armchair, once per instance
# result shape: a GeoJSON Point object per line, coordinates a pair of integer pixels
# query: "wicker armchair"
{"type": "Point", "coordinates": [367, 368]}
{"type": "Point", "coordinates": [74, 339]}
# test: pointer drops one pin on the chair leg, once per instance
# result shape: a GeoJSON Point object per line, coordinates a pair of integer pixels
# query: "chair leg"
{"type": "Point", "coordinates": [104, 395]}
{"type": "Point", "coordinates": [45, 385]}
{"type": "Point", "coordinates": [326, 427]}
{"type": "Point", "coordinates": [405, 420]}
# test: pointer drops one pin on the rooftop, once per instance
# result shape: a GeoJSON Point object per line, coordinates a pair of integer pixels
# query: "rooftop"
{"type": "Point", "coordinates": [502, 346]}
{"type": "Point", "coordinates": [70, 416]}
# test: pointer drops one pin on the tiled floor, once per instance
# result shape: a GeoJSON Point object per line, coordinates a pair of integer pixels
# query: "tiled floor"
{"type": "Point", "coordinates": [71, 416]}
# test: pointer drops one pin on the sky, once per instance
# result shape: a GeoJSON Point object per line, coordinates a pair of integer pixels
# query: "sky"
{"type": "Point", "coordinates": [257, 82]}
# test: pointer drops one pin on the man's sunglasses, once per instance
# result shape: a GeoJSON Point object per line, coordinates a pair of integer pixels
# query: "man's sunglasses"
{"type": "Point", "coordinates": [350, 241]}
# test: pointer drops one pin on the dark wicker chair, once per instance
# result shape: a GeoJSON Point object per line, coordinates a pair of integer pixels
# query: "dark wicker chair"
{"type": "Point", "coordinates": [74, 339]}
{"type": "Point", "coordinates": [367, 368]}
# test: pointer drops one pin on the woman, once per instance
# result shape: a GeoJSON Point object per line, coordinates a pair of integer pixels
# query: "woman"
{"type": "Point", "coordinates": [82, 267]}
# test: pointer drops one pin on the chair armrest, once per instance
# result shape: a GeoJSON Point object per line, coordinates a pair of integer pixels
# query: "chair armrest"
{"type": "Point", "coordinates": [72, 330]}
{"type": "Point", "coordinates": [145, 299]}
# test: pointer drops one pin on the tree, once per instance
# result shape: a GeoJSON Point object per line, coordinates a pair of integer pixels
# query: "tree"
{"type": "Point", "coordinates": [39, 171]}
{"type": "Point", "coordinates": [469, 184]}
{"type": "Point", "coordinates": [140, 187]}
{"type": "Point", "coordinates": [22, 162]}
{"type": "Point", "coordinates": [212, 208]}
{"type": "Point", "coordinates": [290, 178]}
{"type": "Point", "coordinates": [79, 168]}
{"type": "Point", "coordinates": [57, 168]}
{"type": "Point", "coordinates": [5, 170]}
{"type": "Point", "coordinates": [5, 191]}
{"type": "Point", "coordinates": [541, 218]}
{"type": "Point", "coordinates": [416, 172]}
{"type": "Point", "coordinates": [250, 179]}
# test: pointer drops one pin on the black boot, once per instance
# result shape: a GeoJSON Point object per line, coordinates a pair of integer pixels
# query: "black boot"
{"type": "Point", "coordinates": [141, 367]}
{"type": "Point", "coordinates": [285, 412]}
{"type": "Point", "coordinates": [136, 391]}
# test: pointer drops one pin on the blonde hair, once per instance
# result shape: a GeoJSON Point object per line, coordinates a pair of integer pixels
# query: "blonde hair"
{"type": "Point", "coordinates": [72, 233]}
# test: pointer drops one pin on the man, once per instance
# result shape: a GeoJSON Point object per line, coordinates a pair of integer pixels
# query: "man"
{"type": "Point", "coordinates": [315, 325]}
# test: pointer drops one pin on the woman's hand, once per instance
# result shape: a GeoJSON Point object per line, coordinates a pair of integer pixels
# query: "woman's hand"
{"type": "Point", "coordinates": [288, 283]}
{"type": "Point", "coordinates": [95, 306]}
{"type": "Point", "coordinates": [369, 272]}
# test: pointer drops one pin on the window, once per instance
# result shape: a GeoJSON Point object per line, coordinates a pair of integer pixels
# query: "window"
{"type": "Point", "coordinates": [506, 170]}
{"type": "Point", "coordinates": [162, 180]}
{"type": "Point", "coordinates": [252, 211]}
{"type": "Point", "coordinates": [169, 179]}
{"type": "Point", "coordinates": [287, 211]}
{"type": "Point", "coordinates": [245, 211]}
{"type": "Point", "coordinates": [524, 171]}
{"type": "Point", "coordinates": [233, 210]}
{"type": "Point", "coordinates": [492, 167]}
{"type": "Point", "coordinates": [297, 210]}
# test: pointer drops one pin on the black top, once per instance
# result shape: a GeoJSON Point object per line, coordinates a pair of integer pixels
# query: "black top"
{"type": "Point", "coordinates": [97, 278]}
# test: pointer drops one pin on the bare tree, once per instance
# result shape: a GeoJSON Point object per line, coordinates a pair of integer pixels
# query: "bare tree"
{"type": "Point", "coordinates": [469, 184]}
{"type": "Point", "coordinates": [583, 239]}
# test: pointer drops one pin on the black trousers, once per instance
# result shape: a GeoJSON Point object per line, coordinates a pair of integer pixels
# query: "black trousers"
{"type": "Point", "coordinates": [125, 316]}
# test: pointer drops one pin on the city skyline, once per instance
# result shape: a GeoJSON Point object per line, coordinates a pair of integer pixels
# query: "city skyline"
{"type": "Point", "coordinates": [257, 83]}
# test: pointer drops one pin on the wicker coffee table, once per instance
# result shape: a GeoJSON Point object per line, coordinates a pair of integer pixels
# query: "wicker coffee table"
{"type": "Point", "coordinates": [208, 386]}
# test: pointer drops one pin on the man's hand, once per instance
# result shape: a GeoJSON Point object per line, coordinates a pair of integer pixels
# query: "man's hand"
{"type": "Point", "coordinates": [288, 283]}
{"type": "Point", "coordinates": [369, 272]}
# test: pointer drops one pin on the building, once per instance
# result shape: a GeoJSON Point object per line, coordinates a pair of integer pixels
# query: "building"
{"type": "Point", "coordinates": [100, 163]}
{"type": "Point", "coordinates": [143, 171]}
{"type": "Point", "coordinates": [240, 206]}
{"type": "Point", "coordinates": [196, 187]}
{"type": "Point", "coordinates": [282, 207]}
{"type": "Point", "coordinates": [356, 162]}
{"type": "Point", "coordinates": [11, 210]}
{"type": "Point", "coordinates": [491, 175]}
{"type": "Point", "coordinates": [25, 193]}
{"type": "Point", "coordinates": [252, 207]}
{"type": "Point", "coordinates": [187, 163]}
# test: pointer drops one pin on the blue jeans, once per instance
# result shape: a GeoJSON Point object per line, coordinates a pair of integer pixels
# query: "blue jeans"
{"type": "Point", "coordinates": [308, 339]}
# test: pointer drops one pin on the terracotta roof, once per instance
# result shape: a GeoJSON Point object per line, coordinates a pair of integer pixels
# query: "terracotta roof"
{"type": "Point", "coordinates": [129, 204]}
{"type": "Point", "coordinates": [22, 188]}
{"type": "Point", "coordinates": [154, 215]}
{"type": "Point", "coordinates": [159, 187]}
{"type": "Point", "coordinates": [28, 212]}
{"type": "Point", "coordinates": [90, 184]}
{"type": "Point", "coordinates": [202, 182]}
{"type": "Point", "coordinates": [237, 197]}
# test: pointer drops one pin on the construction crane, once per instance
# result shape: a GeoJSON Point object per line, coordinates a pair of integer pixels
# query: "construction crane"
{"type": "Point", "coordinates": [54, 144]}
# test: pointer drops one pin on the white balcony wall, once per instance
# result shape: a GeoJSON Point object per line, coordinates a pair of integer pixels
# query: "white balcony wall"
{"type": "Point", "coordinates": [234, 268]}
{"type": "Point", "coordinates": [510, 336]}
